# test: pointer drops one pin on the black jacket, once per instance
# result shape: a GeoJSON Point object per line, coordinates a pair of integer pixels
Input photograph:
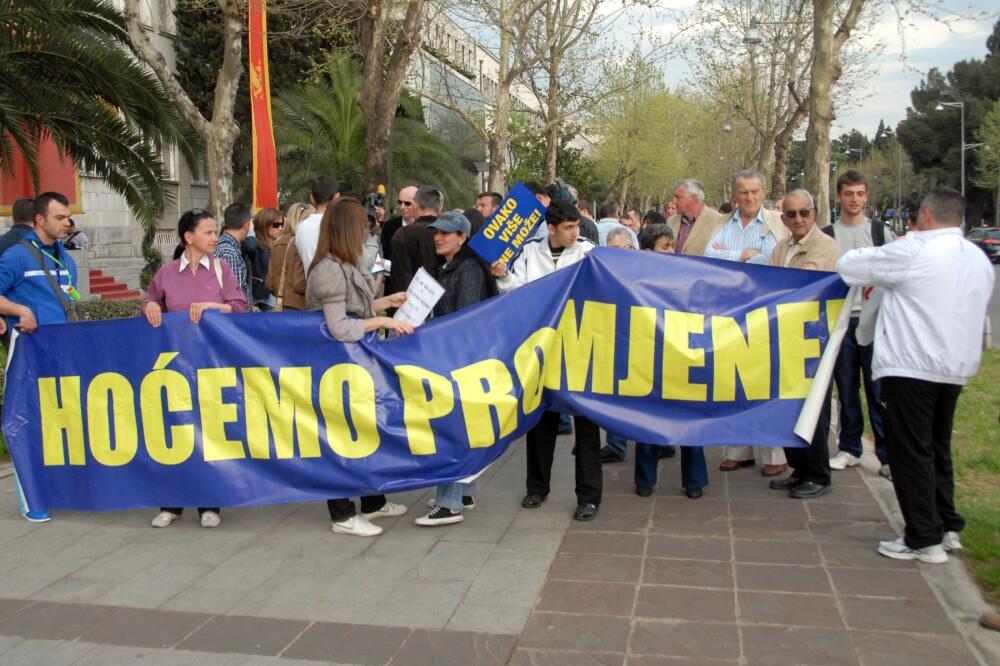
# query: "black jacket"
{"type": "Point", "coordinates": [466, 281]}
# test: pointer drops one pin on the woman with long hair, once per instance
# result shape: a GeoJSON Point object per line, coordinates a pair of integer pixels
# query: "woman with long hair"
{"type": "Point", "coordinates": [268, 224]}
{"type": "Point", "coordinates": [286, 277]}
{"type": "Point", "coordinates": [340, 286]}
{"type": "Point", "coordinates": [195, 282]}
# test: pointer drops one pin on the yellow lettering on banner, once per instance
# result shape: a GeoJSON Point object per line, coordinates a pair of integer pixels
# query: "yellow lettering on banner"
{"type": "Point", "coordinates": [357, 409]}
{"type": "Point", "coordinates": [679, 357]}
{"type": "Point", "coordinates": [749, 357]}
{"type": "Point", "coordinates": [595, 340]}
{"type": "Point", "coordinates": [833, 308]}
{"type": "Point", "coordinates": [421, 407]}
{"type": "Point", "coordinates": [178, 394]}
{"type": "Point", "coordinates": [486, 386]}
{"type": "Point", "coordinates": [794, 348]}
{"type": "Point", "coordinates": [641, 351]}
{"type": "Point", "coordinates": [215, 414]}
{"type": "Point", "coordinates": [61, 411]}
{"type": "Point", "coordinates": [269, 410]}
{"type": "Point", "coordinates": [99, 430]}
{"type": "Point", "coordinates": [536, 375]}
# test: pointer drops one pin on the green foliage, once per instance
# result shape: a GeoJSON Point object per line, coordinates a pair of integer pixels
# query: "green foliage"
{"type": "Point", "coordinates": [105, 310]}
{"type": "Point", "coordinates": [529, 151]}
{"type": "Point", "coordinates": [988, 156]}
{"type": "Point", "coordinates": [319, 128]}
{"type": "Point", "coordinates": [67, 71]}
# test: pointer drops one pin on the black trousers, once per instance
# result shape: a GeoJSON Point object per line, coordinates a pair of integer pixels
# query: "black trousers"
{"type": "Point", "coordinates": [919, 418]}
{"type": "Point", "coordinates": [342, 509]}
{"type": "Point", "coordinates": [541, 449]}
{"type": "Point", "coordinates": [813, 462]}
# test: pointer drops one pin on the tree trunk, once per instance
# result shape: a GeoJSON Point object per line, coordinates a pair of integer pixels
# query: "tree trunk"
{"type": "Point", "coordinates": [782, 150]}
{"type": "Point", "coordinates": [822, 77]}
{"type": "Point", "coordinates": [552, 133]}
{"type": "Point", "coordinates": [219, 162]}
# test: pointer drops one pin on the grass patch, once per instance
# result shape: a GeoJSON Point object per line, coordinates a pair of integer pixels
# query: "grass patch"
{"type": "Point", "coordinates": [976, 456]}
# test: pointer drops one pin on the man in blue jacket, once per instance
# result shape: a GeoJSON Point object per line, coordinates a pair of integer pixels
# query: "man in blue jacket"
{"type": "Point", "coordinates": [38, 285]}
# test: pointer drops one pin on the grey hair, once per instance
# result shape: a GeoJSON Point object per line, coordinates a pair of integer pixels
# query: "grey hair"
{"type": "Point", "coordinates": [692, 186]}
{"type": "Point", "coordinates": [429, 198]}
{"type": "Point", "coordinates": [619, 231]}
{"type": "Point", "coordinates": [945, 204]}
{"type": "Point", "coordinates": [747, 174]}
{"type": "Point", "coordinates": [801, 193]}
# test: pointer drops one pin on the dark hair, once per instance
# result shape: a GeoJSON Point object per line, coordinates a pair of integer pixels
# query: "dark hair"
{"type": "Point", "coordinates": [653, 217]}
{"type": "Point", "coordinates": [945, 204]}
{"type": "Point", "coordinates": [323, 189]}
{"type": "Point", "coordinates": [536, 189]}
{"type": "Point", "coordinates": [653, 233]}
{"type": "Point", "coordinates": [851, 177]}
{"type": "Point", "coordinates": [607, 209]}
{"type": "Point", "coordinates": [429, 198]}
{"type": "Point", "coordinates": [560, 211]}
{"type": "Point", "coordinates": [262, 221]}
{"type": "Point", "coordinates": [726, 207]}
{"type": "Point", "coordinates": [587, 205]}
{"type": "Point", "coordinates": [352, 194]}
{"type": "Point", "coordinates": [43, 200]}
{"type": "Point", "coordinates": [189, 222]}
{"type": "Point", "coordinates": [23, 211]}
{"type": "Point", "coordinates": [496, 196]}
{"type": "Point", "coordinates": [475, 219]}
{"type": "Point", "coordinates": [342, 232]}
{"type": "Point", "coordinates": [235, 216]}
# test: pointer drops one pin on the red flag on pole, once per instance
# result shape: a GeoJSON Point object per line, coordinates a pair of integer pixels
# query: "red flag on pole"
{"type": "Point", "coordinates": [265, 162]}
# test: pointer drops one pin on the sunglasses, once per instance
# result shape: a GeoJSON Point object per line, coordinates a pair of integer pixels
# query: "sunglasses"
{"type": "Point", "coordinates": [400, 202]}
{"type": "Point", "coordinates": [803, 213]}
{"type": "Point", "coordinates": [277, 225]}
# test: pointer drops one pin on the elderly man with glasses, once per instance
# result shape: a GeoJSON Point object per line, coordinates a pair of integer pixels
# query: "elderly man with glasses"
{"type": "Point", "coordinates": [809, 248]}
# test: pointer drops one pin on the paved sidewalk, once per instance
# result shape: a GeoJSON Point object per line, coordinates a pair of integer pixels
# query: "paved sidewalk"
{"type": "Point", "coordinates": [741, 576]}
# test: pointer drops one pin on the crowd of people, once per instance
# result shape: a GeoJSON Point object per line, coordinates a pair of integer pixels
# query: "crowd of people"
{"type": "Point", "coordinates": [912, 341]}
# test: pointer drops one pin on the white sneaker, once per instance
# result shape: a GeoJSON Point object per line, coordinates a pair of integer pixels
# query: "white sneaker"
{"type": "Point", "coordinates": [440, 516]}
{"type": "Point", "coordinates": [164, 519]}
{"type": "Point", "coordinates": [951, 542]}
{"type": "Point", "coordinates": [390, 510]}
{"type": "Point", "coordinates": [885, 471]}
{"type": "Point", "coordinates": [898, 550]}
{"type": "Point", "coordinates": [843, 460]}
{"type": "Point", "coordinates": [210, 519]}
{"type": "Point", "coordinates": [357, 526]}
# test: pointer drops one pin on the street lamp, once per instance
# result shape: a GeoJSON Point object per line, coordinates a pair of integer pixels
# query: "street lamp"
{"type": "Point", "coordinates": [859, 151]}
{"type": "Point", "coordinates": [961, 107]}
{"type": "Point", "coordinates": [752, 36]}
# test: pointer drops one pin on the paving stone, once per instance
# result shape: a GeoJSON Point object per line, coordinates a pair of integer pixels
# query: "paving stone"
{"type": "Point", "coordinates": [538, 541]}
{"type": "Point", "coordinates": [690, 525]}
{"type": "Point", "coordinates": [689, 548]}
{"type": "Point", "coordinates": [153, 587]}
{"type": "Point", "coordinates": [693, 573]}
{"type": "Point", "coordinates": [686, 603]}
{"type": "Point", "coordinates": [763, 528]}
{"type": "Point", "coordinates": [453, 560]}
{"type": "Point", "coordinates": [607, 521]}
{"type": "Point", "coordinates": [783, 509]}
{"type": "Point", "coordinates": [809, 610]}
{"type": "Point", "coordinates": [914, 615]}
{"type": "Point", "coordinates": [483, 527]}
{"type": "Point", "coordinates": [11, 606]}
{"type": "Point", "coordinates": [8, 642]}
{"type": "Point", "coordinates": [860, 555]}
{"type": "Point", "coordinates": [907, 649]}
{"type": "Point", "coordinates": [507, 580]}
{"type": "Point", "coordinates": [843, 511]}
{"type": "Point", "coordinates": [682, 506]}
{"type": "Point", "coordinates": [880, 583]}
{"type": "Point", "coordinates": [51, 620]}
{"type": "Point", "coordinates": [793, 646]}
{"type": "Point", "coordinates": [145, 628]}
{"type": "Point", "coordinates": [245, 635]}
{"type": "Point", "coordinates": [782, 578]}
{"type": "Point", "coordinates": [489, 619]}
{"type": "Point", "coordinates": [424, 604]}
{"type": "Point", "coordinates": [205, 600]}
{"type": "Point", "coordinates": [531, 657]}
{"type": "Point", "coordinates": [678, 661]}
{"type": "Point", "coordinates": [776, 552]}
{"type": "Point", "coordinates": [626, 502]}
{"type": "Point", "coordinates": [73, 589]}
{"type": "Point", "coordinates": [35, 652]}
{"type": "Point", "coordinates": [587, 597]}
{"type": "Point", "coordinates": [849, 531]}
{"type": "Point", "coordinates": [692, 640]}
{"type": "Point", "coordinates": [347, 643]}
{"type": "Point", "coordinates": [454, 648]}
{"type": "Point", "coordinates": [560, 631]}
{"type": "Point", "coordinates": [607, 568]}
{"type": "Point", "coordinates": [603, 543]}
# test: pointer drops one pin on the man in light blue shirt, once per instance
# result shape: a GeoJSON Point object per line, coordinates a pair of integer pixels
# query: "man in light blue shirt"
{"type": "Point", "coordinates": [752, 232]}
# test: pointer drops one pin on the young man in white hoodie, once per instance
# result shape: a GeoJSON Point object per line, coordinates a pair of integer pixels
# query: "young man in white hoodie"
{"type": "Point", "coordinates": [542, 256]}
{"type": "Point", "coordinates": [928, 341]}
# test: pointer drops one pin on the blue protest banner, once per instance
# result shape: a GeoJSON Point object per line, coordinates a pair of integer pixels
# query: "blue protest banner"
{"type": "Point", "coordinates": [509, 227]}
{"type": "Point", "coordinates": [267, 408]}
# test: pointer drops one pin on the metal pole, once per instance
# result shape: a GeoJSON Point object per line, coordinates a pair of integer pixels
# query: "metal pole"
{"type": "Point", "coordinates": [961, 108]}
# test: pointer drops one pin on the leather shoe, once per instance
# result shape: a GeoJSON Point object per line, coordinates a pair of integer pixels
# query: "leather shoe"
{"type": "Point", "coordinates": [990, 620]}
{"type": "Point", "coordinates": [532, 501]}
{"type": "Point", "coordinates": [786, 483]}
{"type": "Point", "coordinates": [693, 493]}
{"type": "Point", "coordinates": [642, 491]}
{"type": "Point", "coordinates": [773, 470]}
{"type": "Point", "coordinates": [608, 455]}
{"type": "Point", "coordinates": [808, 490]}
{"type": "Point", "coordinates": [730, 465]}
{"type": "Point", "coordinates": [665, 452]}
{"type": "Point", "coordinates": [586, 511]}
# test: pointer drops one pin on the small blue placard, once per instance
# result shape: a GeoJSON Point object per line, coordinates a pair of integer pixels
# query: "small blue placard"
{"type": "Point", "coordinates": [503, 235]}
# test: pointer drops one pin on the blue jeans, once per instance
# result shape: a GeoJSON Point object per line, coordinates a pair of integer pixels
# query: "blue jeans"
{"type": "Point", "coordinates": [854, 363]}
{"type": "Point", "coordinates": [449, 495]}
{"type": "Point", "coordinates": [694, 470]}
{"type": "Point", "coordinates": [618, 444]}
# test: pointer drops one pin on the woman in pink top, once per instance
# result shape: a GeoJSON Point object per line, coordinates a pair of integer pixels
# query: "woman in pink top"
{"type": "Point", "coordinates": [194, 282]}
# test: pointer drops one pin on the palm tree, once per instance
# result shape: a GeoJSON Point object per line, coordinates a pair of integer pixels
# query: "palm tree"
{"type": "Point", "coordinates": [319, 129]}
{"type": "Point", "coordinates": [67, 72]}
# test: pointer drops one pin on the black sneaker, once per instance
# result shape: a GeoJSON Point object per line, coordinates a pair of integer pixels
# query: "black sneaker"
{"type": "Point", "coordinates": [440, 516]}
{"type": "Point", "coordinates": [565, 429]}
{"type": "Point", "coordinates": [468, 502]}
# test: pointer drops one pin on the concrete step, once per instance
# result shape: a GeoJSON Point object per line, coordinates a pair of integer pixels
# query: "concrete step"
{"type": "Point", "coordinates": [121, 295]}
{"type": "Point", "coordinates": [104, 289]}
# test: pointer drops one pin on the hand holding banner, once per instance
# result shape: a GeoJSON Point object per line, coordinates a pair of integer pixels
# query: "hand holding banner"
{"type": "Point", "coordinates": [509, 227]}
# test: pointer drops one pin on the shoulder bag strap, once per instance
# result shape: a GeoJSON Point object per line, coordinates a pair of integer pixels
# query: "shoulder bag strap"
{"type": "Point", "coordinates": [280, 296]}
{"type": "Point", "coordinates": [218, 272]}
{"type": "Point", "coordinates": [68, 304]}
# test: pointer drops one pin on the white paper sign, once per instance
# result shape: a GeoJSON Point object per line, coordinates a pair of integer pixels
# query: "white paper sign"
{"type": "Point", "coordinates": [421, 297]}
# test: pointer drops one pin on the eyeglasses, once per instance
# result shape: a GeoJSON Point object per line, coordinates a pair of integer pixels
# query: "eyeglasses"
{"type": "Point", "coordinates": [803, 213]}
{"type": "Point", "coordinates": [400, 202]}
{"type": "Point", "coordinates": [277, 225]}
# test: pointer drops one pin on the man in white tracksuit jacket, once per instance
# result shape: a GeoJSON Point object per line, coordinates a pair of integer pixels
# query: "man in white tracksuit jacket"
{"type": "Point", "coordinates": [928, 340]}
{"type": "Point", "coordinates": [540, 257]}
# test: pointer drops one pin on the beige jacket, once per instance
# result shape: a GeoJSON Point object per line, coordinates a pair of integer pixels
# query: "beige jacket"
{"type": "Point", "coordinates": [816, 251]}
{"type": "Point", "coordinates": [704, 228]}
